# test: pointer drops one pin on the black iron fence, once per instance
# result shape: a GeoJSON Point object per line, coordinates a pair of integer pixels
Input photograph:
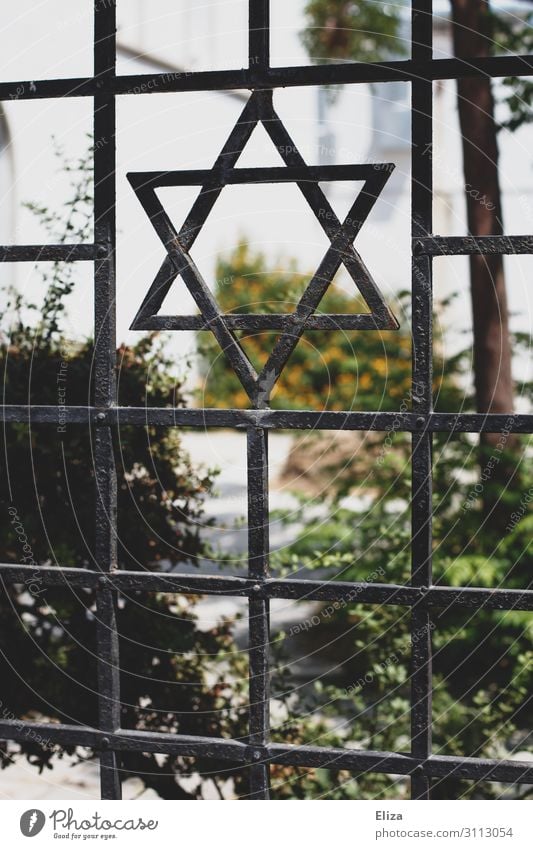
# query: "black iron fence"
{"type": "Point", "coordinates": [105, 415]}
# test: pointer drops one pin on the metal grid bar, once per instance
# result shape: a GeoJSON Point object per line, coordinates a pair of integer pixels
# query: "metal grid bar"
{"type": "Point", "coordinates": [105, 390]}
{"type": "Point", "coordinates": [257, 752]}
{"type": "Point", "coordinates": [359, 762]}
{"type": "Point", "coordinates": [422, 392]}
{"type": "Point", "coordinates": [273, 174]}
{"type": "Point", "coordinates": [255, 77]}
{"type": "Point", "coordinates": [467, 245]}
{"type": "Point", "coordinates": [272, 419]}
{"type": "Point", "coordinates": [238, 752]}
{"type": "Point", "coordinates": [258, 607]}
{"type": "Point", "coordinates": [258, 512]}
{"type": "Point", "coordinates": [399, 595]}
{"type": "Point", "coordinates": [47, 253]}
{"type": "Point", "coordinates": [259, 34]}
{"type": "Point", "coordinates": [256, 322]}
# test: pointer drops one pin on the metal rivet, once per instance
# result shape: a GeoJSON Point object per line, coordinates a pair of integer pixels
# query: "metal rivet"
{"type": "Point", "coordinates": [421, 421]}
{"type": "Point", "coordinates": [257, 756]}
{"type": "Point", "coordinates": [102, 581]}
{"type": "Point", "coordinates": [100, 417]}
{"type": "Point", "coordinates": [256, 588]}
{"type": "Point", "coordinates": [106, 742]}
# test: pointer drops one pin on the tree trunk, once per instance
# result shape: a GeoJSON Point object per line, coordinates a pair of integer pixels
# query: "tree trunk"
{"type": "Point", "coordinates": [492, 346]}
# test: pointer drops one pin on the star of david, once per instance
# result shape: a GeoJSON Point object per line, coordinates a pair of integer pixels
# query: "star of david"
{"type": "Point", "coordinates": [178, 262]}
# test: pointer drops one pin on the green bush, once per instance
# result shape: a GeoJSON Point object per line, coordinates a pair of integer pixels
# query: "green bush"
{"type": "Point", "coordinates": [175, 676]}
{"type": "Point", "coordinates": [338, 370]}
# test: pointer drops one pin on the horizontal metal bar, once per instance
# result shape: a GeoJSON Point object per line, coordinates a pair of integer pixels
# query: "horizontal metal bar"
{"type": "Point", "coordinates": [125, 580]}
{"type": "Point", "coordinates": [467, 245]}
{"type": "Point", "coordinates": [396, 594]}
{"type": "Point", "coordinates": [258, 77]}
{"type": "Point", "coordinates": [271, 419]}
{"type": "Point", "coordinates": [48, 253]}
{"type": "Point", "coordinates": [331, 74]}
{"type": "Point", "coordinates": [430, 246]}
{"type": "Point", "coordinates": [124, 740]}
{"type": "Point", "coordinates": [272, 321]}
{"type": "Point", "coordinates": [354, 760]}
{"type": "Point", "coordinates": [151, 59]}
{"type": "Point", "coordinates": [286, 588]}
{"type": "Point", "coordinates": [185, 745]}
{"type": "Point", "coordinates": [43, 89]}
{"type": "Point", "coordinates": [213, 179]}
{"type": "Point", "coordinates": [482, 769]}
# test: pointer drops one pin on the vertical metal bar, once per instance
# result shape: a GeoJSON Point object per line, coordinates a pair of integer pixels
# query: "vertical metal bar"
{"type": "Point", "coordinates": [105, 384]}
{"type": "Point", "coordinates": [259, 33]}
{"type": "Point", "coordinates": [258, 516]}
{"type": "Point", "coordinates": [421, 506]}
{"type": "Point", "coordinates": [259, 618]}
